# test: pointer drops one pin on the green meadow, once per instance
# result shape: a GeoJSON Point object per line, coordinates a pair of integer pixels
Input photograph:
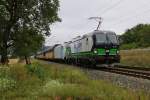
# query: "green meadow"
{"type": "Point", "coordinates": [41, 81]}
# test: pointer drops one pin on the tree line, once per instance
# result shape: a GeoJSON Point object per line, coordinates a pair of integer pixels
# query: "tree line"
{"type": "Point", "coordinates": [136, 37]}
{"type": "Point", "coordinates": [23, 26]}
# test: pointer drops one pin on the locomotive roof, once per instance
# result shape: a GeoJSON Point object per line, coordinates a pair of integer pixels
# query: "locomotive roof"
{"type": "Point", "coordinates": [100, 32]}
{"type": "Point", "coordinates": [90, 34]}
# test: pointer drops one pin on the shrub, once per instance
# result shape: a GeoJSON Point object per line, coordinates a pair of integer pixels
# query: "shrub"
{"type": "Point", "coordinates": [36, 69]}
{"type": "Point", "coordinates": [54, 88]}
{"type": "Point", "coordinates": [128, 46]}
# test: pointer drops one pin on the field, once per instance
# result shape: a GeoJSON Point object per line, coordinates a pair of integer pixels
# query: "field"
{"type": "Point", "coordinates": [41, 81]}
{"type": "Point", "coordinates": [136, 58]}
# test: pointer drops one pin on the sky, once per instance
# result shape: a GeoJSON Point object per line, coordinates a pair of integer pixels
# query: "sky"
{"type": "Point", "coordinates": [117, 15]}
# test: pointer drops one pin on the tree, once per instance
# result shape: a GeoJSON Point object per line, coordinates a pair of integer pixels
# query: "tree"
{"type": "Point", "coordinates": [139, 36]}
{"type": "Point", "coordinates": [15, 14]}
{"type": "Point", "coordinates": [144, 40]}
{"type": "Point", "coordinates": [26, 47]}
{"type": "Point", "coordinates": [133, 34]}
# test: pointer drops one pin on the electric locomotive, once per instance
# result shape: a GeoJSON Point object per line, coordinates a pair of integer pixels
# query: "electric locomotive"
{"type": "Point", "coordinates": [98, 47]}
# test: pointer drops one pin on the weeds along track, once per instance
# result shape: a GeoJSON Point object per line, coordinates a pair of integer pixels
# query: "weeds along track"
{"type": "Point", "coordinates": [137, 72]}
{"type": "Point", "coordinates": [143, 73]}
{"type": "Point", "coordinates": [127, 71]}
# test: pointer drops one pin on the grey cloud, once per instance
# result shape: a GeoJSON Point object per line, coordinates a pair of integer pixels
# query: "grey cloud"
{"type": "Point", "coordinates": [75, 14]}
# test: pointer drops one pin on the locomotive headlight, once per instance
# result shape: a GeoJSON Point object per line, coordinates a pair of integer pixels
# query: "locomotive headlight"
{"type": "Point", "coordinates": [95, 51]}
{"type": "Point", "coordinates": [118, 52]}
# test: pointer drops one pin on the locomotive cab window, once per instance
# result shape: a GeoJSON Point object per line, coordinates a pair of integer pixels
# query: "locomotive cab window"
{"type": "Point", "coordinates": [101, 38]}
{"type": "Point", "coordinates": [87, 41]}
{"type": "Point", "coordinates": [112, 38]}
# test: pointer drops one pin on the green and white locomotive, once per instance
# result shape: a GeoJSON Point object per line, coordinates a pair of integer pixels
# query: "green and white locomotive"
{"type": "Point", "coordinates": [98, 47]}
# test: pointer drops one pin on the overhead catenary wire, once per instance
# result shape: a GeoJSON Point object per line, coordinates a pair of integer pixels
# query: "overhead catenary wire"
{"type": "Point", "coordinates": [106, 10]}
{"type": "Point", "coordinates": [111, 7]}
{"type": "Point", "coordinates": [123, 18]}
{"type": "Point", "coordinates": [128, 18]}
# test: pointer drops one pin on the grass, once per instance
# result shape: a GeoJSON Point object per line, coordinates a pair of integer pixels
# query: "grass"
{"type": "Point", "coordinates": [138, 58]}
{"type": "Point", "coordinates": [13, 61]}
{"type": "Point", "coordinates": [57, 82]}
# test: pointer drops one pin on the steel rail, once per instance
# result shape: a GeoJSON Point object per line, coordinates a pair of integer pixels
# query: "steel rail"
{"type": "Point", "coordinates": [129, 72]}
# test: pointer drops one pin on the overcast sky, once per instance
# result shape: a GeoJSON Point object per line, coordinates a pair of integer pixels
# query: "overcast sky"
{"type": "Point", "coordinates": [118, 16]}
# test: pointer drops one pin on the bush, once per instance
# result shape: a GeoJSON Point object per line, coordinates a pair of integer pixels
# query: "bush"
{"type": "Point", "coordinates": [36, 69]}
{"type": "Point", "coordinates": [54, 88]}
{"type": "Point", "coordinates": [128, 46]}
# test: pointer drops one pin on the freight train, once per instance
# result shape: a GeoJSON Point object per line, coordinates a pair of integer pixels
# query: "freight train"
{"type": "Point", "coordinates": [97, 47]}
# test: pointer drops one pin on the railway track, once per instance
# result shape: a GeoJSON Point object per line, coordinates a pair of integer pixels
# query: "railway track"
{"type": "Point", "coordinates": [126, 71]}
{"type": "Point", "coordinates": [131, 67]}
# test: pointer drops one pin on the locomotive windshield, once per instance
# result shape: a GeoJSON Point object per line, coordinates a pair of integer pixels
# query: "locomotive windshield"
{"type": "Point", "coordinates": [106, 38]}
{"type": "Point", "coordinates": [101, 38]}
{"type": "Point", "coordinates": [112, 38]}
